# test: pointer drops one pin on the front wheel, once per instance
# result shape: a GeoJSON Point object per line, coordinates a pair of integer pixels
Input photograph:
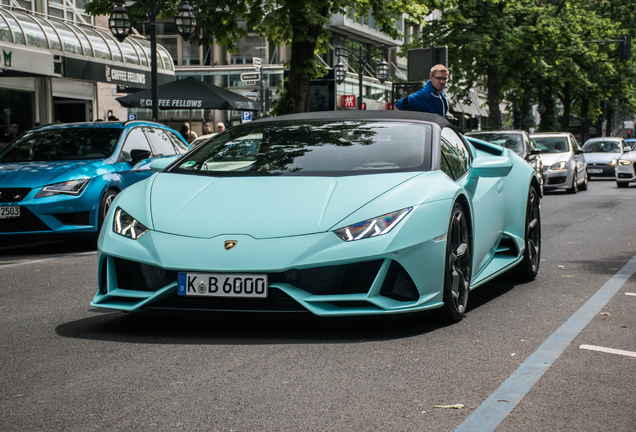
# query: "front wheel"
{"type": "Point", "coordinates": [622, 184]}
{"type": "Point", "coordinates": [583, 187]}
{"type": "Point", "coordinates": [104, 205]}
{"type": "Point", "coordinates": [528, 268]}
{"type": "Point", "coordinates": [575, 184]}
{"type": "Point", "coordinates": [458, 266]}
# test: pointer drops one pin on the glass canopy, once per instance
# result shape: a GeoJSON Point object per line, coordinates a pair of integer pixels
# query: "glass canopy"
{"type": "Point", "coordinates": [34, 30]}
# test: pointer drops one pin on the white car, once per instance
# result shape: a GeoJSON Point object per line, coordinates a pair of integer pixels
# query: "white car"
{"type": "Point", "coordinates": [625, 168]}
{"type": "Point", "coordinates": [564, 165]}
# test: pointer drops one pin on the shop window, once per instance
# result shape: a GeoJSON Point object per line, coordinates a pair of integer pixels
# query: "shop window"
{"type": "Point", "coordinates": [191, 53]}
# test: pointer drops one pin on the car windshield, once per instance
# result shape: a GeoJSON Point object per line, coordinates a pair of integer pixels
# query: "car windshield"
{"type": "Point", "coordinates": [312, 148]}
{"type": "Point", "coordinates": [63, 144]}
{"type": "Point", "coordinates": [602, 147]}
{"type": "Point", "coordinates": [551, 144]}
{"type": "Point", "coordinates": [510, 141]}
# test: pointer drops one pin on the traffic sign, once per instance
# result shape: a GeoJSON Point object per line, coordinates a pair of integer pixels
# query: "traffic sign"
{"type": "Point", "coordinates": [132, 116]}
{"type": "Point", "coordinates": [246, 116]}
{"type": "Point", "coordinates": [256, 61]}
{"type": "Point", "coordinates": [250, 77]}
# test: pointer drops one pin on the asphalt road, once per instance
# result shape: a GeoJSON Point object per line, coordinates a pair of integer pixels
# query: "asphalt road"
{"type": "Point", "coordinates": [65, 366]}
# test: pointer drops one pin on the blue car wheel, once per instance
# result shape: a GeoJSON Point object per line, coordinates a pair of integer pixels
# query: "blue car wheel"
{"type": "Point", "coordinates": [104, 205]}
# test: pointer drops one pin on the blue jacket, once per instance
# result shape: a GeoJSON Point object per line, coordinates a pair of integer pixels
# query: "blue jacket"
{"type": "Point", "coordinates": [426, 100]}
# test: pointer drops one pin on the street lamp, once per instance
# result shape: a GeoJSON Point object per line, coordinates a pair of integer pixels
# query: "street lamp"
{"type": "Point", "coordinates": [381, 72]}
{"type": "Point", "coordinates": [120, 25]}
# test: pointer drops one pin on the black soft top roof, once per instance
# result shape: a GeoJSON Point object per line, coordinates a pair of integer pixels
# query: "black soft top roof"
{"type": "Point", "coordinates": [362, 115]}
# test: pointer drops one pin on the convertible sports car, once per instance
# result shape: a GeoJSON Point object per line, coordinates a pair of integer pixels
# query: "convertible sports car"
{"type": "Point", "coordinates": [335, 213]}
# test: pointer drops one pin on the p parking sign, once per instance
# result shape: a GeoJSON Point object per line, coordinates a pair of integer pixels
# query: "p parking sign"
{"type": "Point", "coordinates": [246, 116]}
{"type": "Point", "coordinates": [132, 116]}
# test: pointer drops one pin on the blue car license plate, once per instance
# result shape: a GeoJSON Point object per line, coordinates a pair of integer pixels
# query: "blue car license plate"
{"type": "Point", "coordinates": [222, 285]}
{"type": "Point", "coordinates": [7, 212]}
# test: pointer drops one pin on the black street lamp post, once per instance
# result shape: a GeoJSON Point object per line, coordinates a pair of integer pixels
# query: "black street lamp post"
{"type": "Point", "coordinates": [382, 69]}
{"type": "Point", "coordinates": [120, 25]}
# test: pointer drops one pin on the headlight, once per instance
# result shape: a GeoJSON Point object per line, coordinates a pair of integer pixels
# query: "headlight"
{"type": "Point", "coordinates": [73, 187]}
{"type": "Point", "coordinates": [126, 225]}
{"type": "Point", "coordinates": [559, 166]}
{"type": "Point", "coordinates": [613, 162]}
{"type": "Point", "coordinates": [624, 162]}
{"type": "Point", "coordinates": [372, 227]}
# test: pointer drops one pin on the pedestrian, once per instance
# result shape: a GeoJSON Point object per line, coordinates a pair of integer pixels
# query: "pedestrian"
{"type": "Point", "coordinates": [220, 127]}
{"type": "Point", "coordinates": [207, 129]}
{"type": "Point", "coordinates": [431, 97]}
{"type": "Point", "coordinates": [14, 132]}
{"type": "Point", "coordinates": [186, 133]}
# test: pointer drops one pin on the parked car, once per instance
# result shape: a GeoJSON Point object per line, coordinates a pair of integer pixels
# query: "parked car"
{"type": "Point", "coordinates": [601, 155]}
{"type": "Point", "coordinates": [338, 214]}
{"type": "Point", "coordinates": [564, 165]}
{"type": "Point", "coordinates": [200, 140]}
{"type": "Point", "coordinates": [519, 142]}
{"type": "Point", "coordinates": [61, 179]}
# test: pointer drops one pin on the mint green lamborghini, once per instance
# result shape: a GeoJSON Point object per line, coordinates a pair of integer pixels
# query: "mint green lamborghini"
{"type": "Point", "coordinates": [330, 213]}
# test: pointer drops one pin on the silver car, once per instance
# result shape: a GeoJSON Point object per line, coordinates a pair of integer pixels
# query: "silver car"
{"type": "Point", "coordinates": [564, 165]}
{"type": "Point", "coordinates": [602, 154]}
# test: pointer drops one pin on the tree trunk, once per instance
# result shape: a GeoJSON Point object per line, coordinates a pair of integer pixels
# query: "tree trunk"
{"type": "Point", "coordinates": [303, 48]}
{"type": "Point", "coordinates": [566, 100]}
{"type": "Point", "coordinates": [493, 98]}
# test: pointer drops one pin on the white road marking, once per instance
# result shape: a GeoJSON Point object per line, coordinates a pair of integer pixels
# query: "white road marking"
{"type": "Point", "coordinates": [631, 294]}
{"type": "Point", "coordinates": [46, 259]}
{"type": "Point", "coordinates": [609, 350]}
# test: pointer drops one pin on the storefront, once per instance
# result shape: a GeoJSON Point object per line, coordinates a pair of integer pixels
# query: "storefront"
{"type": "Point", "coordinates": [52, 70]}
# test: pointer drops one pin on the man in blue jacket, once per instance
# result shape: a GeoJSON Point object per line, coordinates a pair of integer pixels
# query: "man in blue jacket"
{"type": "Point", "coordinates": [430, 98]}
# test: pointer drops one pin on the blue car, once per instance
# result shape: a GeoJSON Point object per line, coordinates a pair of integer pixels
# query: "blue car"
{"type": "Point", "coordinates": [331, 213]}
{"type": "Point", "coordinates": [61, 179]}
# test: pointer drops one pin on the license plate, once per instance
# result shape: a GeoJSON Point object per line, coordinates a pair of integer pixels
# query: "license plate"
{"type": "Point", "coordinates": [222, 285]}
{"type": "Point", "coordinates": [9, 212]}
{"type": "Point", "coordinates": [595, 171]}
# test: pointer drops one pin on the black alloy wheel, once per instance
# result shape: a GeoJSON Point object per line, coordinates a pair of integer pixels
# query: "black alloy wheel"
{"type": "Point", "coordinates": [528, 268]}
{"type": "Point", "coordinates": [458, 266]}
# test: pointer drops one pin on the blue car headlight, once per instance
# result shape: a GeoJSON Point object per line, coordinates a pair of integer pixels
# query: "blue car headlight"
{"type": "Point", "coordinates": [127, 226]}
{"type": "Point", "coordinates": [559, 166]}
{"type": "Point", "coordinates": [73, 187]}
{"type": "Point", "coordinates": [372, 227]}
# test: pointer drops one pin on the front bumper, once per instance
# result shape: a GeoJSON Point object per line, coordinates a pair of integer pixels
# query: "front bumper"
{"type": "Point", "coordinates": [601, 170]}
{"type": "Point", "coordinates": [317, 273]}
{"type": "Point", "coordinates": [625, 173]}
{"type": "Point", "coordinates": [556, 179]}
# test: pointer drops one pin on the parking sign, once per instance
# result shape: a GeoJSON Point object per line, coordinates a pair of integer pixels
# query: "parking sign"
{"type": "Point", "coordinates": [246, 116]}
{"type": "Point", "coordinates": [132, 116]}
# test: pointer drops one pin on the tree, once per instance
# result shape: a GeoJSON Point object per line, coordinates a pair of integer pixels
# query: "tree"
{"type": "Point", "coordinates": [299, 24]}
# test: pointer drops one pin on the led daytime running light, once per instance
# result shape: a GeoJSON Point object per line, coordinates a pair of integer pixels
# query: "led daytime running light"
{"type": "Point", "coordinates": [373, 227]}
{"type": "Point", "coordinates": [127, 226]}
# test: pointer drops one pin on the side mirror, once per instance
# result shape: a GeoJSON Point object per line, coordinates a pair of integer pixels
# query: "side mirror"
{"type": "Point", "coordinates": [578, 151]}
{"type": "Point", "coordinates": [536, 151]}
{"type": "Point", "coordinates": [627, 149]}
{"type": "Point", "coordinates": [494, 166]}
{"type": "Point", "coordinates": [139, 155]}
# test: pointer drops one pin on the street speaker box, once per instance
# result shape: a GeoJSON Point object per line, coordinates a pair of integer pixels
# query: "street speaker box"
{"type": "Point", "coordinates": [421, 60]}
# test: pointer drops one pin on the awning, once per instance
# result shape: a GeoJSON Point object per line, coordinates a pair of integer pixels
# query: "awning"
{"type": "Point", "coordinates": [190, 93]}
{"type": "Point", "coordinates": [34, 44]}
{"type": "Point", "coordinates": [473, 109]}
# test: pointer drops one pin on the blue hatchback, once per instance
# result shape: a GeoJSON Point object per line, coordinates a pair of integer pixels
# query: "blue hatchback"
{"type": "Point", "coordinates": [61, 179]}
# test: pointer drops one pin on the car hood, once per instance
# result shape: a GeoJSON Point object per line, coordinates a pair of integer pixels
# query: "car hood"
{"type": "Point", "coordinates": [601, 158]}
{"type": "Point", "coordinates": [36, 174]}
{"type": "Point", "coordinates": [262, 207]}
{"type": "Point", "coordinates": [548, 159]}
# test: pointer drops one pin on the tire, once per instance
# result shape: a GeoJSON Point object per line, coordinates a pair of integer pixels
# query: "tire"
{"type": "Point", "coordinates": [528, 268]}
{"type": "Point", "coordinates": [457, 270]}
{"type": "Point", "coordinates": [575, 185]}
{"type": "Point", "coordinates": [104, 205]}
{"type": "Point", "coordinates": [622, 184]}
{"type": "Point", "coordinates": [583, 187]}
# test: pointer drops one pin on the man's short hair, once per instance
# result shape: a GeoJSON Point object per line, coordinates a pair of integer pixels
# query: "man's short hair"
{"type": "Point", "coordinates": [439, 68]}
{"type": "Point", "coordinates": [207, 124]}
